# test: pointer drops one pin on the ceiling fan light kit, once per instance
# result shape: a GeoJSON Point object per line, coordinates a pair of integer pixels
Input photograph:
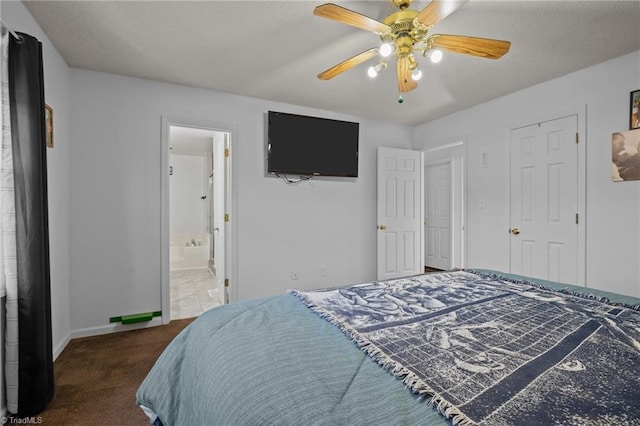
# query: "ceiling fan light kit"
{"type": "Point", "coordinates": [404, 33]}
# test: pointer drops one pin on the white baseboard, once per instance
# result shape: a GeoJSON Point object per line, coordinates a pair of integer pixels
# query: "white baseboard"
{"type": "Point", "coordinates": [114, 328]}
{"type": "Point", "coordinates": [95, 331]}
{"type": "Point", "coordinates": [60, 346]}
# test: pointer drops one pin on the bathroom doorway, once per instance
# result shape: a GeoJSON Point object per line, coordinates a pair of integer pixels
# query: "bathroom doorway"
{"type": "Point", "coordinates": [198, 197]}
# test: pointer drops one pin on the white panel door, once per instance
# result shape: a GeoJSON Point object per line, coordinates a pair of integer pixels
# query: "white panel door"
{"type": "Point", "coordinates": [438, 216]}
{"type": "Point", "coordinates": [399, 212]}
{"type": "Point", "coordinates": [544, 200]}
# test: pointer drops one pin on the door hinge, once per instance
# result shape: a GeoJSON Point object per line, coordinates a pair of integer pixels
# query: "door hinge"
{"type": "Point", "coordinates": [226, 282]}
{"type": "Point", "coordinates": [226, 217]}
{"type": "Point", "coordinates": [226, 152]}
{"type": "Point", "coordinates": [577, 137]}
{"type": "Point", "coordinates": [577, 218]}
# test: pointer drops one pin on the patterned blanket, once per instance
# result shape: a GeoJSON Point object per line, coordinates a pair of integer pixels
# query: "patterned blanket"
{"type": "Point", "coordinates": [487, 350]}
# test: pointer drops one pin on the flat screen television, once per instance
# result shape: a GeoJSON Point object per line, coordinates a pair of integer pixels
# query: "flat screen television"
{"type": "Point", "coordinates": [311, 146]}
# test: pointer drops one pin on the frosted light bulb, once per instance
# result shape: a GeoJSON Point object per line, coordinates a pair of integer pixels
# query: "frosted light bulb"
{"type": "Point", "coordinates": [435, 56]}
{"type": "Point", "coordinates": [385, 50]}
{"type": "Point", "coordinates": [372, 72]}
{"type": "Point", "coordinates": [416, 75]}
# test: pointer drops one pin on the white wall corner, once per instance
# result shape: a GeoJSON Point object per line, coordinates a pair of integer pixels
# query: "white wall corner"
{"type": "Point", "coordinates": [57, 350]}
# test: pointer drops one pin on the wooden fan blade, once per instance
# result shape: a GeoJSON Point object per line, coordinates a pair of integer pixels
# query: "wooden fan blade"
{"type": "Point", "coordinates": [348, 64]}
{"type": "Point", "coordinates": [405, 82]}
{"type": "Point", "coordinates": [437, 10]}
{"type": "Point", "coordinates": [349, 17]}
{"type": "Point", "coordinates": [474, 46]}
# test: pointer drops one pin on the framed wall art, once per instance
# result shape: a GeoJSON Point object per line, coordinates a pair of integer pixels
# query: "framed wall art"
{"type": "Point", "coordinates": [625, 158]}
{"type": "Point", "coordinates": [634, 110]}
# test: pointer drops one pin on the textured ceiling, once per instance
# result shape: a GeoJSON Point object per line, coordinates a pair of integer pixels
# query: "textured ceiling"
{"type": "Point", "coordinates": [274, 50]}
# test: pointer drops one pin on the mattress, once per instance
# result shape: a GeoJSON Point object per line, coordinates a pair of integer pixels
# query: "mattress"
{"type": "Point", "coordinates": [274, 361]}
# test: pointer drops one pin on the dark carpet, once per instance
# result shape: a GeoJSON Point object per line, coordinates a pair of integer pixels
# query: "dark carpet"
{"type": "Point", "coordinates": [96, 378]}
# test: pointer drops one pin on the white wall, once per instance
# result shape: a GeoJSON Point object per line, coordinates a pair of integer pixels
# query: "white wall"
{"type": "Point", "coordinates": [187, 185]}
{"type": "Point", "coordinates": [115, 203]}
{"type": "Point", "coordinates": [613, 209]}
{"type": "Point", "coordinates": [56, 80]}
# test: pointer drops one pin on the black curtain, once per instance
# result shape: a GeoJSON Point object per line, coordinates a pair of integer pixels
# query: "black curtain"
{"type": "Point", "coordinates": [26, 97]}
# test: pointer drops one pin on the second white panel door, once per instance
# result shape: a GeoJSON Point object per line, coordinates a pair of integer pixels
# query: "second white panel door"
{"type": "Point", "coordinates": [438, 216]}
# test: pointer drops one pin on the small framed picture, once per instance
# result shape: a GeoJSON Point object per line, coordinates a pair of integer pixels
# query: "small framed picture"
{"type": "Point", "coordinates": [634, 123]}
{"type": "Point", "coordinates": [625, 158]}
{"type": "Point", "coordinates": [48, 120]}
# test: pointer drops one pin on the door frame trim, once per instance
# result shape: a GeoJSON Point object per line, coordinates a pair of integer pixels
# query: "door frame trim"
{"type": "Point", "coordinates": [231, 258]}
{"type": "Point", "coordinates": [581, 115]}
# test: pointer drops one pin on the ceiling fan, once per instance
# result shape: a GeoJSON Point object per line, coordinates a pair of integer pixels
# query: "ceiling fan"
{"type": "Point", "coordinates": [405, 33]}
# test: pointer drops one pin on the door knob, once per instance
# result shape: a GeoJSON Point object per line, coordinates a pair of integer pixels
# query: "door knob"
{"type": "Point", "coordinates": [382, 227]}
{"type": "Point", "coordinates": [515, 231]}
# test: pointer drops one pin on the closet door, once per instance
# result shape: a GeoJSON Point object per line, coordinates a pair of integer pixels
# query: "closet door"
{"type": "Point", "coordinates": [544, 200]}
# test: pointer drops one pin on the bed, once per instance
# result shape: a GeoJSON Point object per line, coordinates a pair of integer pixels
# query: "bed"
{"type": "Point", "coordinates": [461, 347]}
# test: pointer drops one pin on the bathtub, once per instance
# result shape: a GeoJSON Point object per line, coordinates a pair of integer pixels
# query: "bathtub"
{"type": "Point", "coordinates": [183, 255]}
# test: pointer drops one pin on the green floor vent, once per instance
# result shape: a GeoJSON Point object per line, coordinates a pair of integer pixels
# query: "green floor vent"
{"type": "Point", "coordinates": [133, 318]}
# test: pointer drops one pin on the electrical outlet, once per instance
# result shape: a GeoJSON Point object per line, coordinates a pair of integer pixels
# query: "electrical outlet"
{"type": "Point", "coordinates": [482, 202]}
{"type": "Point", "coordinates": [294, 275]}
{"type": "Point", "coordinates": [323, 271]}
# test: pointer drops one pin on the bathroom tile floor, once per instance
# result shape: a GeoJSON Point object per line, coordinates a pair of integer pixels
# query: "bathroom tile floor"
{"type": "Point", "coordinates": [193, 291]}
